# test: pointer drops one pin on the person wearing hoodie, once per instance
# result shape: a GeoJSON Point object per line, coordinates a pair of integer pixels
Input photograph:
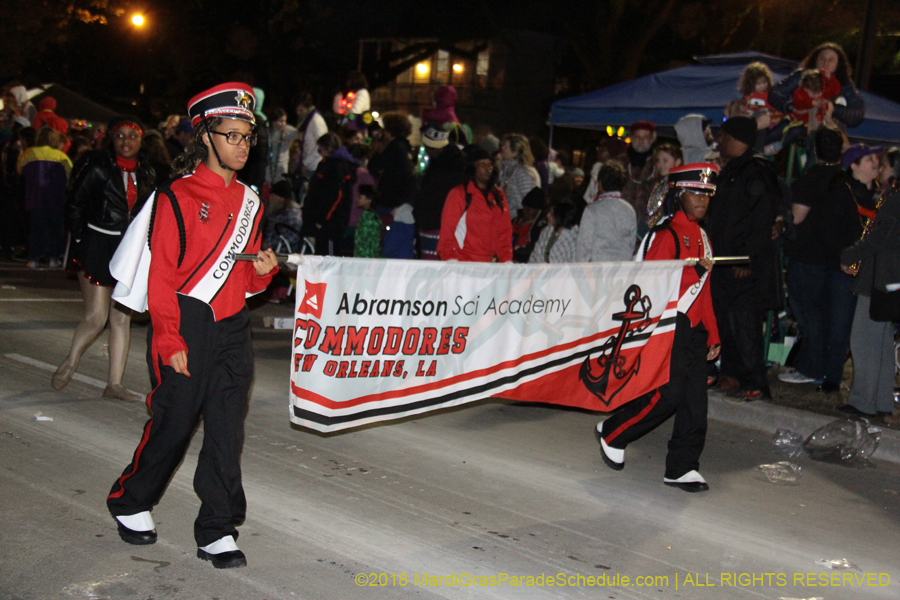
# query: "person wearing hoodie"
{"type": "Point", "coordinates": [695, 137]}
{"type": "Point", "coordinates": [444, 107]}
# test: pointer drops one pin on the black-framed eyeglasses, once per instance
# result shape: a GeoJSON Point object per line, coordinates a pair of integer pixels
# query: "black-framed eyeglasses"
{"type": "Point", "coordinates": [234, 138]}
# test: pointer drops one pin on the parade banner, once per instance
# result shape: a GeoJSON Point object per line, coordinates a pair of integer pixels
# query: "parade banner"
{"type": "Point", "coordinates": [376, 340]}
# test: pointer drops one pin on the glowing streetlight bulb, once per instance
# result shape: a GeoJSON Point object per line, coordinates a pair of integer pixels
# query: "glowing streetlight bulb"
{"type": "Point", "coordinates": [138, 20]}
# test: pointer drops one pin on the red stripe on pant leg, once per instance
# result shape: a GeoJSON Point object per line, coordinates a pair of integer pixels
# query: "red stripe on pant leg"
{"type": "Point", "coordinates": [634, 419]}
{"type": "Point", "coordinates": [144, 438]}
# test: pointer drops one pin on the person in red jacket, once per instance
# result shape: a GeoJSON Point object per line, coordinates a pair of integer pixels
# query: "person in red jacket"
{"type": "Point", "coordinates": [46, 117]}
{"type": "Point", "coordinates": [200, 357]}
{"type": "Point", "coordinates": [475, 222]}
{"type": "Point", "coordinates": [696, 341]}
{"type": "Point", "coordinates": [811, 96]}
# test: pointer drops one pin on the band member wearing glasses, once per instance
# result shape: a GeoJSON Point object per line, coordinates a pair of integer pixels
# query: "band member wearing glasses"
{"type": "Point", "coordinates": [199, 352]}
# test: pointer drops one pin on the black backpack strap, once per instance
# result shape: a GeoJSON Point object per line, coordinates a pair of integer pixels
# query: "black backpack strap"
{"type": "Point", "coordinates": [664, 226]}
{"type": "Point", "coordinates": [166, 190]}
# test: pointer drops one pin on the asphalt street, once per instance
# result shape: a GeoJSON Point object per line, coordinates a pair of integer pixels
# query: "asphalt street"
{"type": "Point", "coordinates": [493, 500]}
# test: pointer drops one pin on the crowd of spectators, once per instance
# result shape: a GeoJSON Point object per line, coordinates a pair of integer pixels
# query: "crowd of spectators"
{"type": "Point", "coordinates": [346, 181]}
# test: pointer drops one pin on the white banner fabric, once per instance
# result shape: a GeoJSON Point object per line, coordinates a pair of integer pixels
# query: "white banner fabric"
{"type": "Point", "coordinates": [376, 340]}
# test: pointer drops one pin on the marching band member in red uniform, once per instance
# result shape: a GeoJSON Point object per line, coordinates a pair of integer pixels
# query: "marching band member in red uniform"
{"type": "Point", "coordinates": [696, 341]}
{"type": "Point", "coordinates": [199, 352]}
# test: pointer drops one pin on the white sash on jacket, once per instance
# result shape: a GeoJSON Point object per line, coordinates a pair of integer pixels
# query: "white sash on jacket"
{"type": "Point", "coordinates": [209, 286]}
{"type": "Point", "coordinates": [130, 265]}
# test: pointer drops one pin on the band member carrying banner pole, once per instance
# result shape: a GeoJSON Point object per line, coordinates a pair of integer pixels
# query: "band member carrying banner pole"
{"type": "Point", "coordinates": [199, 352]}
{"type": "Point", "coordinates": [696, 341]}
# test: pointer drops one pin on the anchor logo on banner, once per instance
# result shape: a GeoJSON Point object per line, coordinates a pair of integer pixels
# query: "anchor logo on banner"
{"type": "Point", "coordinates": [613, 375]}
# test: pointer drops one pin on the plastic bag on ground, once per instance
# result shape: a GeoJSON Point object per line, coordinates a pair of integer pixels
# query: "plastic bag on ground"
{"type": "Point", "coordinates": [787, 443]}
{"type": "Point", "coordinates": [846, 441]}
{"type": "Point", "coordinates": [837, 564]}
{"type": "Point", "coordinates": [782, 472]}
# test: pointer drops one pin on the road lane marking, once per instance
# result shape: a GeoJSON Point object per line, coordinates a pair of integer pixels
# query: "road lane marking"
{"type": "Point", "coordinates": [40, 299]}
{"type": "Point", "coordinates": [52, 368]}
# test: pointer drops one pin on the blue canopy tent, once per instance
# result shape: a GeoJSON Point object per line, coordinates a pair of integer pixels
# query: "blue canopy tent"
{"type": "Point", "coordinates": [704, 88]}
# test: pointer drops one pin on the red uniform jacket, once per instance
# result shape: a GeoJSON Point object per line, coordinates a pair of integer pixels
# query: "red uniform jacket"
{"type": "Point", "coordinates": [695, 300]}
{"type": "Point", "coordinates": [202, 196]}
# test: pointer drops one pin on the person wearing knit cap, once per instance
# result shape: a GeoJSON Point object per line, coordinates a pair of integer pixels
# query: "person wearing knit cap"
{"type": "Point", "coordinates": [741, 128]}
{"type": "Point", "coordinates": [108, 188]}
{"type": "Point", "coordinates": [740, 222]}
{"type": "Point", "coordinates": [199, 350]}
{"type": "Point", "coordinates": [445, 171]}
{"type": "Point", "coordinates": [696, 341]}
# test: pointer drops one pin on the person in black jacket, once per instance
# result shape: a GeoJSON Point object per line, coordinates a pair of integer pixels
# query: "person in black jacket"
{"type": "Point", "coordinates": [393, 168]}
{"type": "Point", "coordinates": [107, 189]}
{"type": "Point", "coordinates": [740, 222]}
{"type": "Point", "coordinates": [326, 207]}
{"type": "Point", "coordinates": [849, 106]}
{"type": "Point", "coordinates": [848, 201]}
{"type": "Point", "coordinates": [826, 221]}
{"type": "Point", "coordinates": [445, 170]}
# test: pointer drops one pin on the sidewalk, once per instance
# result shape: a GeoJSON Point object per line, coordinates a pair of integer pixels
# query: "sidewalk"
{"type": "Point", "coordinates": [767, 417]}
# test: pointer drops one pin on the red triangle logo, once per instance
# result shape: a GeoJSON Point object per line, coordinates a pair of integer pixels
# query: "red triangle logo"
{"type": "Point", "coordinates": [313, 300]}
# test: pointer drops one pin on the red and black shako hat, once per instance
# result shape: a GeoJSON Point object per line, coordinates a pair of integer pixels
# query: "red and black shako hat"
{"type": "Point", "coordinates": [228, 100]}
{"type": "Point", "coordinates": [699, 178]}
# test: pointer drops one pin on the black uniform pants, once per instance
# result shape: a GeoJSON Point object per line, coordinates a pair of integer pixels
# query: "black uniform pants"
{"type": "Point", "coordinates": [684, 396]}
{"type": "Point", "coordinates": [220, 361]}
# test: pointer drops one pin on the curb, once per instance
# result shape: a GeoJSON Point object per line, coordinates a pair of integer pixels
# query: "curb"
{"type": "Point", "coordinates": [768, 417]}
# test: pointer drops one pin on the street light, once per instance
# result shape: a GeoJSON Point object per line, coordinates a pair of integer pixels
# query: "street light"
{"type": "Point", "coordinates": [138, 20]}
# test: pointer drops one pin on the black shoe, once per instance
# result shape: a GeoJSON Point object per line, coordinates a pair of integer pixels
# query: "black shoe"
{"type": "Point", "coordinates": [138, 538]}
{"type": "Point", "coordinates": [692, 481]}
{"type": "Point", "coordinates": [828, 388]}
{"type": "Point", "coordinates": [852, 411]}
{"type": "Point", "coordinates": [615, 466]}
{"type": "Point", "coordinates": [750, 394]}
{"type": "Point", "coordinates": [692, 487]}
{"type": "Point", "coordinates": [224, 560]}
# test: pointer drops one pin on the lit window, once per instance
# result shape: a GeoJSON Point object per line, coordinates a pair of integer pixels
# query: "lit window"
{"type": "Point", "coordinates": [422, 73]}
{"type": "Point", "coordinates": [442, 72]}
{"type": "Point", "coordinates": [482, 67]}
